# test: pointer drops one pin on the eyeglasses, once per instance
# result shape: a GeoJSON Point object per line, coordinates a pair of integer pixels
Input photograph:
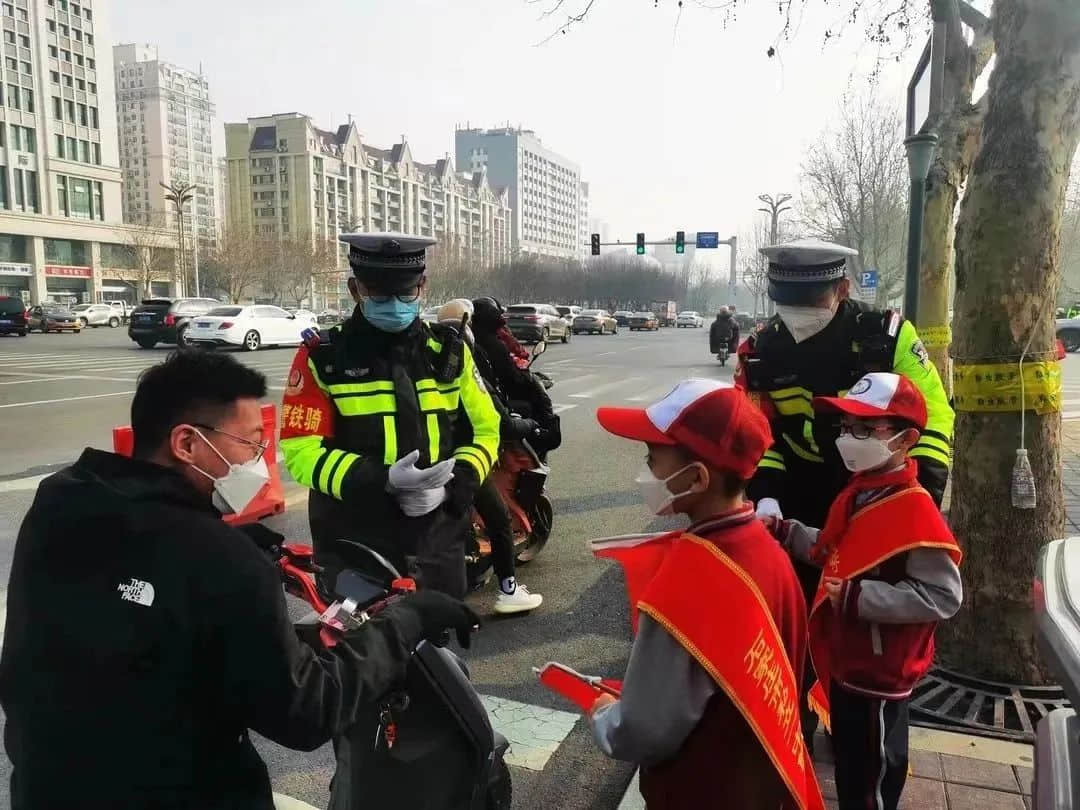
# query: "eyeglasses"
{"type": "Point", "coordinates": [257, 448]}
{"type": "Point", "coordinates": [406, 298]}
{"type": "Point", "coordinates": [861, 430]}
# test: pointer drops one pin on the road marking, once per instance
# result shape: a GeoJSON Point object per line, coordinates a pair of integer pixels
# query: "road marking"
{"type": "Point", "coordinates": [22, 484]}
{"type": "Point", "coordinates": [67, 399]}
{"type": "Point", "coordinates": [47, 377]}
{"type": "Point", "coordinates": [37, 379]}
{"type": "Point", "coordinates": [566, 407]}
{"type": "Point", "coordinates": [559, 362]}
{"type": "Point", "coordinates": [568, 380]}
{"type": "Point", "coordinates": [605, 354]}
{"type": "Point", "coordinates": [534, 732]}
{"type": "Point", "coordinates": [606, 387]}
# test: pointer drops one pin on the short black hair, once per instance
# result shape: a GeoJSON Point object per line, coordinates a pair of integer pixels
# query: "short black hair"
{"type": "Point", "coordinates": [190, 386]}
{"type": "Point", "coordinates": [731, 484]}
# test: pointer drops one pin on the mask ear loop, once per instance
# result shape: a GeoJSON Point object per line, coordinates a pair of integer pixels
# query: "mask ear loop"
{"type": "Point", "coordinates": [209, 444]}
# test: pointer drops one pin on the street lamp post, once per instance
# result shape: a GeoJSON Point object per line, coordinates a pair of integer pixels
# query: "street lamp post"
{"type": "Point", "coordinates": [774, 207]}
{"type": "Point", "coordinates": [920, 154]}
{"type": "Point", "coordinates": [178, 194]}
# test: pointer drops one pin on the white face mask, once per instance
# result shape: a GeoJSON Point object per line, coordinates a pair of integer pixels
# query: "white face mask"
{"type": "Point", "coordinates": [860, 455]}
{"type": "Point", "coordinates": [655, 492]}
{"type": "Point", "coordinates": [235, 490]}
{"type": "Point", "coordinates": [804, 322]}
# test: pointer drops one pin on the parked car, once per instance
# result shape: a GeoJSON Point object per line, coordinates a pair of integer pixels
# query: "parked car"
{"type": "Point", "coordinates": [623, 316]}
{"type": "Point", "coordinates": [164, 320]}
{"type": "Point", "coordinates": [14, 318]}
{"type": "Point", "coordinates": [536, 322]}
{"type": "Point", "coordinates": [569, 313]}
{"type": "Point", "coordinates": [251, 327]}
{"type": "Point", "coordinates": [689, 320]}
{"type": "Point", "coordinates": [306, 315]}
{"type": "Point", "coordinates": [430, 315]}
{"type": "Point", "coordinates": [644, 321]}
{"type": "Point", "coordinates": [329, 317]}
{"type": "Point", "coordinates": [595, 322]}
{"type": "Point", "coordinates": [1068, 332]}
{"type": "Point", "coordinates": [96, 315]}
{"type": "Point", "coordinates": [53, 318]}
{"type": "Point", "coordinates": [121, 308]}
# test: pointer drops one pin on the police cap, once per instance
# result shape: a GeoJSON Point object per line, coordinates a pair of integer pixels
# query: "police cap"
{"type": "Point", "coordinates": [800, 270]}
{"type": "Point", "coordinates": [392, 263]}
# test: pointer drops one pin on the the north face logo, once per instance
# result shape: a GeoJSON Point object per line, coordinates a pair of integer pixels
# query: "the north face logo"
{"type": "Point", "coordinates": [137, 591]}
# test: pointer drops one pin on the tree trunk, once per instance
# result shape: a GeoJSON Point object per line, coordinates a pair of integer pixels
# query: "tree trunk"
{"type": "Point", "coordinates": [1006, 283]}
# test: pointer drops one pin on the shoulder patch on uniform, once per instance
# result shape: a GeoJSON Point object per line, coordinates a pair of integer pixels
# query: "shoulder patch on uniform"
{"type": "Point", "coordinates": [920, 353]}
{"type": "Point", "coordinates": [295, 383]}
{"type": "Point", "coordinates": [894, 324]}
{"type": "Point", "coordinates": [479, 379]}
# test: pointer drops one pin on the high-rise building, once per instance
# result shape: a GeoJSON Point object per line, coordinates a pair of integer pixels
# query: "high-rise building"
{"type": "Point", "coordinates": [583, 221]}
{"type": "Point", "coordinates": [61, 236]}
{"type": "Point", "coordinates": [289, 179]}
{"type": "Point", "coordinates": [165, 119]}
{"type": "Point", "coordinates": [545, 187]}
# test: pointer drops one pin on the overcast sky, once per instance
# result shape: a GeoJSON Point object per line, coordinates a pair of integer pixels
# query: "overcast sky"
{"type": "Point", "coordinates": [672, 127]}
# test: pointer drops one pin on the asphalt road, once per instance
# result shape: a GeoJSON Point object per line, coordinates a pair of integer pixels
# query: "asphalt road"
{"type": "Point", "coordinates": [59, 393]}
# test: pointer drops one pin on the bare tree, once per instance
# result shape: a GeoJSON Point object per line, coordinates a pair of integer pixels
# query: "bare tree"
{"type": "Point", "coordinates": [151, 251]}
{"type": "Point", "coordinates": [234, 268]}
{"type": "Point", "coordinates": [854, 189]}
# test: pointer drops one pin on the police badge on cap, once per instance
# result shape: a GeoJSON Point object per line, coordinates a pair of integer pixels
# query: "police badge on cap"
{"type": "Point", "coordinates": [393, 263]}
{"type": "Point", "coordinates": [799, 268]}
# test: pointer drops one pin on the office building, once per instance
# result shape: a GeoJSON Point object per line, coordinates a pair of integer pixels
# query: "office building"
{"type": "Point", "coordinates": [287, 178]}
{"type": "Point", "coordinates": [61, 236]}
{"type": "Point", "coordinates": [545, 187]}
{"type": "Point", "coordinates": [583, 221]}
{"type": "Point", "coordinates": [165, 119]}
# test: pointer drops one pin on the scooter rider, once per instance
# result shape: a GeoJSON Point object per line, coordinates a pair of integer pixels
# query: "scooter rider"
{"type": "Point", "coordinates": [387, 421]}
{"type": "Point", "coordinates": [513, 596]}
{"type": "Point", "coordinates": [723, 333]}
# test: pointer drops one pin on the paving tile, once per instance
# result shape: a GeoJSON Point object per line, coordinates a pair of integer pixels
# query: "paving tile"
{"type": "Point", "coordinates": [965, 797]}
{"type": "Point", "coordinates": [1025, 777]}
{"type": "Point", "coordinates": [923, 794]}
{"type": "Point", "coordinates": [926, 764]}
{"type": "Point", "coordinates": [823, 749]}
{"type": "Point", "coordinates": [827, 779]}
{"type": "Point", "coordinates": [979, 773]}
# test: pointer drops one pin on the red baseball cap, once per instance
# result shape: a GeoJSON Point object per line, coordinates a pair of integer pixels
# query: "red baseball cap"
{"type": "Point", "coordinates": [713, 420]}
{"type": "Point", "coordinates": [877, 395]}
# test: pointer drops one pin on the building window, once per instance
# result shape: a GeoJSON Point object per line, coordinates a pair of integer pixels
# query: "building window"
{"type": "Point", "coordinates": [28, 99]}
{"type": "Point", "coordinates": [55, 54]}
{"type": "Point", "coordinates": [96, 149]}
{"type": "Point", "coordinates": [83, 118]}
{"type": "Point", "coordinates": [3, 190]}
{"type": "Point", "coordinates": [92, 87]}
{"type": "Point", "coordinates": [64, 30]}
{"type": "Point", "coordinates": [52, 26]}
{"type": "Point", "coordinates": [9, 10]}
{"type": "Point", "coordinates": [79, 59]}
{"type": "Point", "coordinates": [89, 39]}
{"type": "Point", "coordinates": [13, 96]}
{"type": "Point", "coordinates": [9, 37]}
{"type": "Point", "coordinates": [84, 151]}
{"type": "Point", "coordinates": [20, 200]}
{"type": "Point", "coordinates": [90, 63]}
{"type": "Point", "coordinates": [11, 63]}
{"type": "Point", "coordinates": [25, 67]}
{"type": "Point", "coordinates": [67, 80]}
{"type": "Point", "coordinates": [72, 148]}
{"type": "Point", "coordinates": [69, 110]}
{"type": "Point", "coordinates": [32, 192]}
{"type": "Point", "coordinates": [60, 146]}
{"type": "Point", "coordinates": [80, 198]}
{"type": "Point", "coordinates": [65, 55]}
{"type": "Point", "coordinates": [99, 204]}
{"type": "Point", "coordinates": [94, 117]}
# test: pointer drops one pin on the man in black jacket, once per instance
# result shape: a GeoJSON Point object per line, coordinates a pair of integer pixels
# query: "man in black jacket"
{"type": "Point", "coordinates": [145, 637]}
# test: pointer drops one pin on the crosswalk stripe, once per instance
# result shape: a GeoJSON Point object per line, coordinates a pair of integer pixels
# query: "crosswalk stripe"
{"type": "Point", "coordinates": [565, 407]}
{"type": "Point", "coordinates": [600, 389]}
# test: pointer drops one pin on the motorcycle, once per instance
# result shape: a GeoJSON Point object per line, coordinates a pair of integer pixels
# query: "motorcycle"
{"type": "Point", "coordinates": [723, 356]}
{"type": "Point", "coordinates": [428, 745]}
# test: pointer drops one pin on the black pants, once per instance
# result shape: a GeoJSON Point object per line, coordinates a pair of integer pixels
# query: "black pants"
{"type": "Point", "coordinates": [870, 745]}
{"type": "Point", "coordinates": [496, 517]}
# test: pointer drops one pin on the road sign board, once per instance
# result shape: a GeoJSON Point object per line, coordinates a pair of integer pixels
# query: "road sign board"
{"type": "Point", "coordinates": [708, 239]}
{"type": "Point", "coordinates": [918, 92]}
{"type": "Point", "coordinates": [868, 279]}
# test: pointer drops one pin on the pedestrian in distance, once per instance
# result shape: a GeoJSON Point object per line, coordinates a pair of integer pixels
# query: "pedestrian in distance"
{"type": "Point", "coordinates": [709, 703]}
{"type": "Point", "coordinates": [145, 637]}
{"type": "Point", "coordinates": [890, 573]}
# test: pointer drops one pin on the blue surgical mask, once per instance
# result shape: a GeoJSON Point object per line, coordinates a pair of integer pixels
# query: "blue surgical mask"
{"type": "Point", "coordinates": [392, 315]}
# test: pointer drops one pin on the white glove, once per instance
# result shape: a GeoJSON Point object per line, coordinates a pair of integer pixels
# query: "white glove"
{"type": "Point", "coordinates": [405, 476]}
{"type": "Point", "coordinates": [422, 501]}
{"type": "Point", "coordinates": [768, 512]}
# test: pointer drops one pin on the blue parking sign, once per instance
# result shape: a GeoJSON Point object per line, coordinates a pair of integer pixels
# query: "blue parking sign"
{"type": "Point", "coordinates": [868, 279]}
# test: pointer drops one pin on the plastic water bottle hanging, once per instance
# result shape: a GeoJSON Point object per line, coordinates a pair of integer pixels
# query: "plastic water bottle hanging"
{"type": "Point", "coordinates": [1023, 482]}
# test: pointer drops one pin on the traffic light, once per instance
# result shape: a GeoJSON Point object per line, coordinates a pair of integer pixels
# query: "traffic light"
{"type": "Point", "coordinates": [680, 241]}
{"type": "Point", "coordinates": [596, 244]}
{"type": "Point", "coordinates": [641, 244]}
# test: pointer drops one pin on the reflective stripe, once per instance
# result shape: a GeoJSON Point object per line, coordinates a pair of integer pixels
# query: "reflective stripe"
{"type": "Point", "coordinates": [792, 401]}
{"type": "Point", "coordinates": [303, 456]}
{"type": "Point", "coordinates": [389, 440]}
{"type": "Point", "coordinates": [331, 460]}
{"type": "Point", "coordinates": [930, 453]}
{"type": "Point", "coordinates": [772, 464]}
{"type": "Point", "coordinates": [434, 345]}
{"type": "Point", "coordinates": [473, 455]}
{"type": "Point", "coordinates": [801, 451]}
{"type": "Point", "coordinates": [934, 443]}
{"type": "Point", "coordinates": [360, 388]}
{"type": "Point", "coordinates": [437, 401]}
{"type": "Point", "coordinates": [341, 469]}
{"type": "Point", "coordinates": [808, 434]}
{"type": "Point", "coordinates": [366, 405]}
{"type": "Point", "coordinates": [433, 437]}
{"type": "Point", "coordinates": [315, 375]}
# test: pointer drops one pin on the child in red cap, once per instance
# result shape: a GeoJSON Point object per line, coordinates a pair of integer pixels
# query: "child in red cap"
{"type": "Point", "coordinates": [709, 703]}
{"type": "Point", "coordinates": [890, 573]}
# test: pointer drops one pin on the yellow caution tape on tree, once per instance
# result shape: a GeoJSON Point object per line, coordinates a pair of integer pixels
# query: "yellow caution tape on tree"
{"type": "Point", "coordinates": [987, 387]}
{"type": "Point", "coordinates": [935, 337]}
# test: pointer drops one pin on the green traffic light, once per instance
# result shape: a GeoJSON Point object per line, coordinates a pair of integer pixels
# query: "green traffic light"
{"type": "Point", "coordinates": [680, 248]}
{"type": "Point", "coordinates": [641, 250]}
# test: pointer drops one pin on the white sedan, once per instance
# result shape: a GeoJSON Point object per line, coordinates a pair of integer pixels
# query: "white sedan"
{"type": "Point", "coordinates": [250, 327]}
{"type": "Point", "coordinates": [305, 315]}
{"type": "Point", "coordinates": [690, 320]}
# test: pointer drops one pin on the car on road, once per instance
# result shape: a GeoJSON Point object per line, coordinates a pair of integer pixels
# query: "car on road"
{"type": "Point", "coordinates": [689, 320]}
{"type": "Point", "coordinates": [623, 316]}
{"type": "Point", "coordinates": [1068, 332]}
{"type": "Point", "coordinates": [166, 320]}
{"type": "Point", "coordinates": [329, 317]}
{"type": "Point", "coordinates": [568, 313]}
{"type": "Point", "coordinates": [14, 318]}
{"type": "Point", "coordinates": [304, 315]}
{"type": "Point", "coordinates": [97, 315]}
{"type": "Point", "coordinates": [250, 327]}
{"type": "Point", "coordinates": [644, 321]}
{"type": "Point", "coordinates": [595, 322]}
{"type": "Point", "coordinates": [53, 318]}
{"type": "Point", "coordinates": [535, 322]}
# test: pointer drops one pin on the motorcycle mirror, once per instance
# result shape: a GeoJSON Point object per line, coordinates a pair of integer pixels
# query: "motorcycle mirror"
{"type": "Point", "coordinates": [539, 349]}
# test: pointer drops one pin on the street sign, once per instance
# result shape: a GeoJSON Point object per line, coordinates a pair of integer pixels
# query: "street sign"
{"type": "Point", "coordinates": [918, 92]}
{"type": "Point", "coordinates": [708, 239]}
{"type": "Point", "coordinates": [868, 279]}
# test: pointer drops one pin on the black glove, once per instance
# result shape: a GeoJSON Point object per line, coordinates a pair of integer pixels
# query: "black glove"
{"type": "Point", "coordinates": [266, 539]}
{"type": "Point", "coordinates": [461, 491]}
{"type": "Point", "coordinates": [438, 612]}
{"type": "Point", "coordinates": [522, 428]}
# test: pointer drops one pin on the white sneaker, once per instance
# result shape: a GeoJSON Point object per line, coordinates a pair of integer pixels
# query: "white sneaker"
{"type": "Point", "coordinates": [520, 601]}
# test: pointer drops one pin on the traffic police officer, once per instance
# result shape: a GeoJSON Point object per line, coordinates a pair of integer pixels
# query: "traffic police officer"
{"type": "Point", "coordinates": [818, 344]}
{"type": "Point", "coordinates": [386, 419]}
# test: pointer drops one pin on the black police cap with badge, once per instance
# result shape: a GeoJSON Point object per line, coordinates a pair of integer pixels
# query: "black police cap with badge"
{"type": "Point", "coordinates": [388, 263]}
{"type": "Point", "coordinates": [800, 271]}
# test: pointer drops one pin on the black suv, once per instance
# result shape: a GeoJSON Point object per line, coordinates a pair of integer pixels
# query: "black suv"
{"type": "Point", "coordinates": [13, 319]}
{"type": "Point", "coordinates": [163, 320]}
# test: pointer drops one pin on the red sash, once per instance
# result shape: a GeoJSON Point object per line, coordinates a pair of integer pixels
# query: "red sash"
{"type": "Point", "coordinates": [746, 658]}
{"type": "Point", "coordinates": [897, 523]}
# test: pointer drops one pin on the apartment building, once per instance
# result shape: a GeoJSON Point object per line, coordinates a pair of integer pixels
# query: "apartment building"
{"type": "Point", "coordinates": [165, 120]}
{"type": "Point", "coordinates": [583, 221]}
{"type": "Point", "coordinates": [544, 187]}
{"type": "Point", "coordinates": [61, 232]}
{"type": "Point", "coordinates": [287, 177]}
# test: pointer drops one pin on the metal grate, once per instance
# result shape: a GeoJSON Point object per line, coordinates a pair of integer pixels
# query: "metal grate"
{"type": "Point", "coordinates": [955, 702]}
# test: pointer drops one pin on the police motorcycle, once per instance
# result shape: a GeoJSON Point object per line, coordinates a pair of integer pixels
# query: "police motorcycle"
{"type": "Point", "coordinates": [429, 744]}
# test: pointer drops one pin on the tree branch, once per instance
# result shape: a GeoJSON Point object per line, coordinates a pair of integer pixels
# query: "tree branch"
{"type": "Point", "coordinates": [570, 19]}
